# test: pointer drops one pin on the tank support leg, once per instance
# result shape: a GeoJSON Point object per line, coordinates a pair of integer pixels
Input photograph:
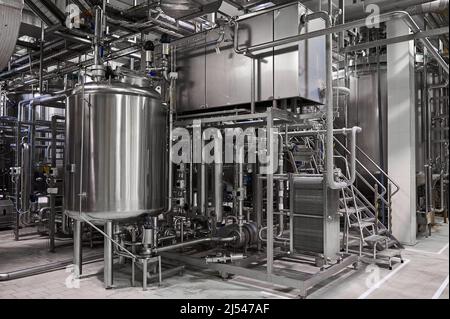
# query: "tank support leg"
{"type": "Point", "coordinates": [77, 249]}
{"type": "Point", "coordinates": [108, 256]}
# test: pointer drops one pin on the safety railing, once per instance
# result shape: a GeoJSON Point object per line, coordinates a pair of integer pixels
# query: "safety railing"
{"type": "Point", "coordinates": [383, 193]}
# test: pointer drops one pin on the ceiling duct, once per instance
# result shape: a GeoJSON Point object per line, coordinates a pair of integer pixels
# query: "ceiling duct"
{"type": "Point", "coordinates": [189, 9]}
{"type": "Point", "coordinates": [10, 19]}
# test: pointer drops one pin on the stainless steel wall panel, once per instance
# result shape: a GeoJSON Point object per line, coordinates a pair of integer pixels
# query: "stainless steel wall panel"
{"type": "Point", "coordinates": [228, 75]}
{"type": "Point", "coordinates": [311, 65]}
{"type": "Point", "coordinates": [294, 70]}
{"type": "Point", "coordinates": [191, 90]}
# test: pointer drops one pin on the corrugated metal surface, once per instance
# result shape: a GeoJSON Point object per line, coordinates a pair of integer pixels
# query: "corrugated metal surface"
{"type": "Point", "coordinates": [10, 19]}
{"type": "Point", "coordinates": [316, 221]}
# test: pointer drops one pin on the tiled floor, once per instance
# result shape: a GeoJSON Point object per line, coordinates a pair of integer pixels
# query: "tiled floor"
{"type": "Point", "coordinates": [423, 275]}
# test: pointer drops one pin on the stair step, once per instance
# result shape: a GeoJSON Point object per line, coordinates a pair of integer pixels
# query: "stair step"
{"type": "Point", "coordinates": [363, 224]}
{"type": "Point", "coordinates": [352, 210]}
{"type": "Point", "coordinates": [389, 253]}
{"type": "Point", "coordinates": [375, 238]}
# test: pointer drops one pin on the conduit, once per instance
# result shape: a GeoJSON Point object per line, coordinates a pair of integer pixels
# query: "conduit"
{"type": "Point", "coordinates": [27, 272]}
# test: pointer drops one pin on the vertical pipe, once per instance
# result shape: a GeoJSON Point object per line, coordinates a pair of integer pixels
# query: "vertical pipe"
{"type": "Point", "coordinates": [389, 208]}
{"type": "Point", "coordinates": [170, 177]}
{"type": "Point", "coordinates": [342, 21]}
{"type": "Point", "coordinates": [25, 182]}
{"type": "Point", "coordinates": [155, 231]}
{"type": "Point", "coordinates": [258, 206]}
{"type": "Point", "coordinates": [218, 191]}
{"type": "Point", "coordinates": [281, 187]}
{"type": "Point", "coordinates": [253, 86]}
{"type": "Point", "coordinates": [51, 224]}
{"type": "Point", "coordinates": [426, 111]}
{"type": "Point", "coordinates": [240, 180]}
{"type": "Point", "coordinates": [77, 249]}
{"type": "Point", "coordinates": [203, 176]}
{"type": "Point", "coordinates": [108, 256]}
{"type": "Point", "coordinates": [97, 35]}
{"type": "Point", "coordinates": [41, 57]}
{"type": "Point", "coordinates": [269, 202]}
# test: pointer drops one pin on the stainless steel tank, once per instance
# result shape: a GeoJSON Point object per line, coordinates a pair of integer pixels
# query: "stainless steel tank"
{"type": "Point", "coordinates": [116, 152]}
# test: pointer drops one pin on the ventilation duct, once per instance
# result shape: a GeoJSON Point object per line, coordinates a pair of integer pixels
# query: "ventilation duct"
{"type": "Point", "coordinates": [189, 9]}
{"type": "Point", "coordinates": [438, 6]}
{"type": "Point", "coordinates": [10, 19]}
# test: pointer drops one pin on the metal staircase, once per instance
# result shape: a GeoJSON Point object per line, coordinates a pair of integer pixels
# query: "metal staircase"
{"type": "Point", "coordinates": [362, 227]}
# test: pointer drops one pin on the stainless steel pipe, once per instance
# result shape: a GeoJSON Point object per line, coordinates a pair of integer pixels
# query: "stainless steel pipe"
{"type": "Point", "coordinates": [218, 191]}
{"type": "Point", "coordinates": [194, 242]}
{"type": "Point", "coordinates": [32, 271]}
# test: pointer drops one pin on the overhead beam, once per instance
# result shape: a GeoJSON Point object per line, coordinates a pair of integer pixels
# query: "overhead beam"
{"type": "Point", "coordinates": [38, 12]}
{"type": "Point", "coordinates": [234, 4]}
{"type": "Point", "coordinates": [27, 45]}
{"type": "Point", "coordinates": [54, 10]}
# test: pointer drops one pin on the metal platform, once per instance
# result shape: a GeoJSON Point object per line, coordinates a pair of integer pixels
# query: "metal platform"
{"type": "Point", "coordinates": [255, 267]}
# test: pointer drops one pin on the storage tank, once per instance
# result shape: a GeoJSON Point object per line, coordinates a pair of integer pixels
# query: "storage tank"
{"type": "Point", "coordinates": [10, 17]}
{"type": "Point", "coordinates": [116, 152]}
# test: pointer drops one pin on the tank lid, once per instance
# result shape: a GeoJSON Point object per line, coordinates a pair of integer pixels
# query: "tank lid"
{"type": "Point", "coordinates": [116, 87]}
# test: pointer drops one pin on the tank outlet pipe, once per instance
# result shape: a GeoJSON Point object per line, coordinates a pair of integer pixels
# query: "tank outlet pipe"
{"type": "Point", "coordinates": [195, 242]}
{"type": "Point", "coordinates": [32, 271]}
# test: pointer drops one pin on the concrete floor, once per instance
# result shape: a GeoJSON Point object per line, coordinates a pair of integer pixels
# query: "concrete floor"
{"type": "Point", "coordinates": [424, 274]}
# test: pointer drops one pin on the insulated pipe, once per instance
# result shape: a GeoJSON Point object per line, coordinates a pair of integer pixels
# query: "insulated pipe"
{"type": "Point", "coordinates": [32, 271]}
{"type": "Point", "coordinates": [194, 242]}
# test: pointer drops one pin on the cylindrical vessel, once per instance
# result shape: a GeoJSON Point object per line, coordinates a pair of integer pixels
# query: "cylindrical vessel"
{"type": "Point", "coordinates": [116, 151]}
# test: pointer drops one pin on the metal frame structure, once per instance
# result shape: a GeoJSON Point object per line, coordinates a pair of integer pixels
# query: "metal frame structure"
{"type": "Point", "coordinates": [307, 124]}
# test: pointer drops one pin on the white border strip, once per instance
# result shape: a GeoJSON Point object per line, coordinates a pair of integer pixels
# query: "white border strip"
{"type": "Point", "coordinates": [428, 252]}
{"type": "Point", "coordinates": [439, 292]}
{"type": "Point", "coordinates": [273, 295]}
{"type": "Point", "coordinates": [382, 281]}
{"type": "Point", "coordinates": [264, 289]}
{"type": "Point", "coordinates": [442, 250]}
